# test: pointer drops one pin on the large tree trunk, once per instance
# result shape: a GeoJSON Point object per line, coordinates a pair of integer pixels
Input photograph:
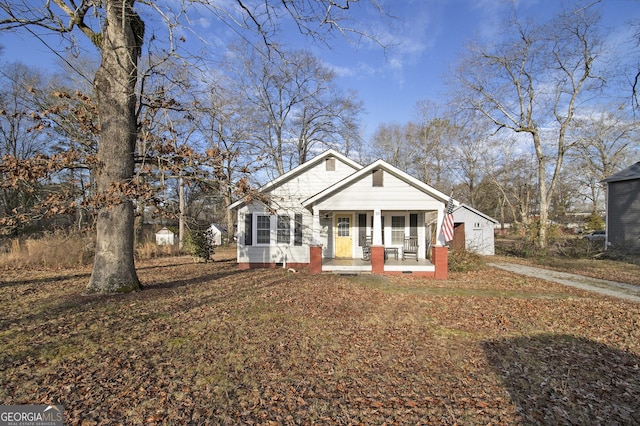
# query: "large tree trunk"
{"type": "Point", "coordinates": [114, 85]}
{"type": "Point", "coordinates": [542, 196]}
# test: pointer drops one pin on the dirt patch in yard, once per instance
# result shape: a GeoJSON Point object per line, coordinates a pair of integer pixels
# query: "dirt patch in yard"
{"type": "Point", "coordinates": [209, 344]}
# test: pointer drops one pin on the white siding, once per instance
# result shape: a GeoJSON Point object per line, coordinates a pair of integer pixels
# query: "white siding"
{"type": "Point", "coordinates": [311, 182]}
{"type": "Point", "coordinates": [395, 194]}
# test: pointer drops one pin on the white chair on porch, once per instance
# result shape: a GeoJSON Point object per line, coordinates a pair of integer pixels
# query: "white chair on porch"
{"type": "Point", "coordinates": [410, 247]}
{"type": "Point", "coordinates": [366, 248]}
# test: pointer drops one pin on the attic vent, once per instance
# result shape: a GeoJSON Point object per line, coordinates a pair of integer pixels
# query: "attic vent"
{"type": "Point", "coordinates": [377, 177]}
{"type": "Point", "coordinates": [331, 164]}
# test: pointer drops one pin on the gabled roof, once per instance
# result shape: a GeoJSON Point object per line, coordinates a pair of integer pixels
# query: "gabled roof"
{"type": "Point", "coordinates": [631, 172]}
{"type": "Point", "coordinates": [478, 212]}
{"type": "Point", "coordinates": [378, 164]}
{"type": "Point", "coordinates": [299, 170]}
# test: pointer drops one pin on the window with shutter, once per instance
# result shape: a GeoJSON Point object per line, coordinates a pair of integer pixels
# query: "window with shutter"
{"type": "Point", "coordinates": [397, 229]}
{"type": "Point", "coordinates": [263, 229]}
{"type": "Point", "coordinates": [284, 229]}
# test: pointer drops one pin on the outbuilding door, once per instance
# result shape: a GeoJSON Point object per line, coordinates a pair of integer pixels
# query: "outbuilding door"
{"type": "Point", "coordinates": [458, 242]}
{"type": "Point", "coordinates": [344, 236]}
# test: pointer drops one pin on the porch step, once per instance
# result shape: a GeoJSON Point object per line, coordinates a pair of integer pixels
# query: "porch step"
{"type": "Point", "coordinates": [347, 273]}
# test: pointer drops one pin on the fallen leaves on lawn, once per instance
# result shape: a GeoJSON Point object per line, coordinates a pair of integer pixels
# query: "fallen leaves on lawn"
{"type": "Point", "coordinates": [209, 344]}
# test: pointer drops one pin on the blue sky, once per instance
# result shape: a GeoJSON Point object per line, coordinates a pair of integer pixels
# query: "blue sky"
{"type": "Point", "coordinates": [425, 40]}
{"type": "Point", "coordinates": [431, 35]}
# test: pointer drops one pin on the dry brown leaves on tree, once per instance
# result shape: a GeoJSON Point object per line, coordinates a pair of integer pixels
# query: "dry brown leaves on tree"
{"type": "Point", "coordinates": [209, 344]}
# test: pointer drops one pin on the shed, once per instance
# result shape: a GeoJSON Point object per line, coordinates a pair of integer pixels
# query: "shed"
{"type": "Point", "coordinates": [623, 209]}
{"type": "Point", "coordinates": [216, 231]}
{"type": "Point", "coordinates": [474, 230]}
{"type": "Point", "coordinates": [165, 237]}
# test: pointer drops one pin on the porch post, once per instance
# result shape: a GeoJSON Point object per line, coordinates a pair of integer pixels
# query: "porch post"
{"type": "Point", "coordinates": [377, 259]}
{"type": "Point", "coordinates": [439, 238]}
{"type": "Point", "coordinates": [315, 259]}
{"type": "Point", "coordinates": [377, 248]}
{"type": "Point", "coordinates": [315, 227]}
{"type": "Point", "coordinates": [440, 259]}
{"type": "Point", "coordinates": [377, 228]}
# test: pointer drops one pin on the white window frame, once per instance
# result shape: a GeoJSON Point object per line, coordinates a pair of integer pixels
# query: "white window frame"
{"type": "Point", "coordinates": [256, 229]}
{"type": "Point", "coordinates": [278, 229]}
{"type": "Point", "coordinates": [395, 231]}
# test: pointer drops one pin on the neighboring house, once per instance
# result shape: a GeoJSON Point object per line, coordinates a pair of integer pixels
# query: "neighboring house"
{"type": "Point", "coordinates": [216, 232]}
{"type": "Point", "coordinates": [623, 209]}
{"type": "Point", "coordinates": [473, 230]}
{"type": "Point", "coordinates": [328, 212]}
{"type": "Point", "coordinates": [165, 237]}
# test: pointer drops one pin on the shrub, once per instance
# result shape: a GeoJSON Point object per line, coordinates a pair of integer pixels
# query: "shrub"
{"type": "Point", "coordinates": [595, 222]}
{"type": "Point", "coordinates": [462, 260]}
{"type": "Point", "coordinates": [199, 243]}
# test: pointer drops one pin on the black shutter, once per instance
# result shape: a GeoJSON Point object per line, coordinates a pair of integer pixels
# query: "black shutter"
{"type": "Point", "coordinates": [248, 229]}
{"type": "Point", "coordinates": [362, 228]}
{"type": "Point", "coordinates": [413, 225]}
{"type": "Point", "coordinates": [297, 230]}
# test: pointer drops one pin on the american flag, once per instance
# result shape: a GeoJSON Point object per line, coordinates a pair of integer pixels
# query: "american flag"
{"type": "Point", "coordinates": [447, 223]}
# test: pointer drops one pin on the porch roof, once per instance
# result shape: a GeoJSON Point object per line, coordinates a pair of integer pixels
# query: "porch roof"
{"type": "Point", "coordinates": [360, 174]}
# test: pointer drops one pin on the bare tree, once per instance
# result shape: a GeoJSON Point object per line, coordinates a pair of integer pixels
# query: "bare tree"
{"type": "Point", "coordinates": [605, 139]}
{"type": "Point", "coordinates": [17, 115]}
{"type": "Point", "coordinates": [390, 143]}
{"type": "Point", "coordinates": [296, 100]}
{"type": "Point", "coordinates": [531, 83]}
{"type": "Point", "coordinates": [21, 133]}
{"type": "Point", "coordinates": [433, 136]}
{"type": "Point", "coordinates": [470, 157]}
{"type": "Point", "coordinates": [117, 31]}
{"type": "Point", "coordinates": [226, 124]}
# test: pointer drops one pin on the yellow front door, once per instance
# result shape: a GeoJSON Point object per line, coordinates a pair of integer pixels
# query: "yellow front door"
{"type": "Point", "coordinates": [343, 236]}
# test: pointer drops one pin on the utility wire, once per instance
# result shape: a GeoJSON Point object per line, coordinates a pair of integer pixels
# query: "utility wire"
{"type": "Point", "coordinates": [59, 55]}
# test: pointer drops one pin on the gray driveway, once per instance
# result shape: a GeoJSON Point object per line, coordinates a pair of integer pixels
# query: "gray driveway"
{"type": "Point", "coordinates": [610, 288]}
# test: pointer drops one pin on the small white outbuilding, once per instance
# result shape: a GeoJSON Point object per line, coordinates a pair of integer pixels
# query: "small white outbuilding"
{"type": "Point", "coordinates": [477, 228]}
{"type": "Point", "coordinates": [215, 231]}
{"type": "Point", "coordinates": [165, 237]}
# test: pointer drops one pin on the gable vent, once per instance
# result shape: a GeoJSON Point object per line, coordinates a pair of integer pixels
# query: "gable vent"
{"type": "Point", "coordinates": [377, 177]}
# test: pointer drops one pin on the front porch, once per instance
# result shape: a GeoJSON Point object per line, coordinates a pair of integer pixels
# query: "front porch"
{"type": "Point", "coordinates": [391, 265]}
{"type": "Point", "coordinates": [380, 264]}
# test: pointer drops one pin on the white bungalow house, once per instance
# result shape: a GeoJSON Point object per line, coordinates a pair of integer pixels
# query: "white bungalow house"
{"type": "Point", "coordinates": [333, 214]}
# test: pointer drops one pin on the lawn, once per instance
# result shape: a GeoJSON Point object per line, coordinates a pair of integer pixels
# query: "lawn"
{"type": "Point", "coordinates": [209, 344]}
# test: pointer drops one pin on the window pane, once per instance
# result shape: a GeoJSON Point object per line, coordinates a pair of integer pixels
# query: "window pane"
{"type": "Point", "coordinates": [263, 230]}
{"type": "Point", "coordinates": [397, 229]}
{"type": "Point", "coordinates": [343, 227]}
{"type": "Point", "coordinates": [284, 229]}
